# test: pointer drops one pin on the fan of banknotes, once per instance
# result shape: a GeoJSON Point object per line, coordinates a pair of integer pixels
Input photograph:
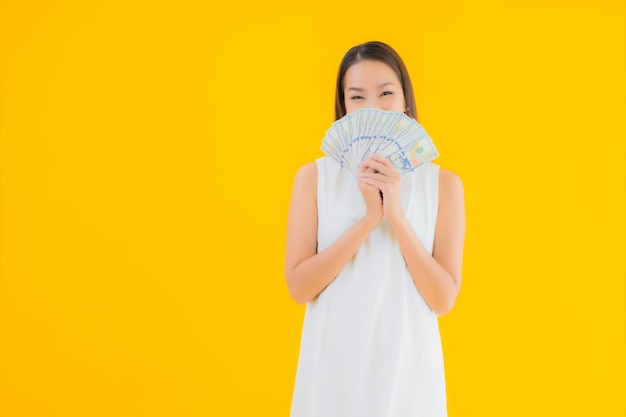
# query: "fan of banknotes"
{"type": "Point", "coordinates": [364, 132]}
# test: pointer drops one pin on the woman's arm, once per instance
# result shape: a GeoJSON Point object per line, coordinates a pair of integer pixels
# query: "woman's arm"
{"type": "Point", "coordinates": [436, 277]}
{"type": "Point", "coordinates": [306, 271]}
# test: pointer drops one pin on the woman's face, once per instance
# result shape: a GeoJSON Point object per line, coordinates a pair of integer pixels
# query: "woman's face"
{"type": "Point", "coordinates": [372, 84]}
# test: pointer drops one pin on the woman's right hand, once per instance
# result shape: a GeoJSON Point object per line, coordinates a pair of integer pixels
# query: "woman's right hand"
{"type": "Point", "coordinates": [373, 200]}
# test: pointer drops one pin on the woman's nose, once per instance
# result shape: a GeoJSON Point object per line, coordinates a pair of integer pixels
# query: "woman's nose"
{"type": "Point", "coordinates": [375, 104]}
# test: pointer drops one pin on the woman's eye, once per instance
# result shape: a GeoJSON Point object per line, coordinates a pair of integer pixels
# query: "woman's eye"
{"type": "Point", "coordinates": [356, 98]}
{"type": "Point", "coordinates": [386, 93]}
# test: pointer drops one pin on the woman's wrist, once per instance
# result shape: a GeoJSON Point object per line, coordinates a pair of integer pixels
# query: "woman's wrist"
{"type": "Point", "coordinates": [397, 218]}
{"type": "Point", "coordinates": [370, 221]}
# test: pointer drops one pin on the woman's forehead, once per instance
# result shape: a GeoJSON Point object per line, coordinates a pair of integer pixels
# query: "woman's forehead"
{"type": "Point", "coordinates": [373, 73]}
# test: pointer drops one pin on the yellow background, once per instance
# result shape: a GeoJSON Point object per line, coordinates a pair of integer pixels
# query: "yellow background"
{"type": "Point", "coordinates": [148, 152]}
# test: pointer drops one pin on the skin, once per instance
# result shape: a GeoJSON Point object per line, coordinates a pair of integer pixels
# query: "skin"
{"type": "Point", "coordinates": [437, 277]}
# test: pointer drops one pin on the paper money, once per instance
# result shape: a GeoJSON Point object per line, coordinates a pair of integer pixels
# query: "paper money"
{"type": "Point", "coordinates": [393, 135]}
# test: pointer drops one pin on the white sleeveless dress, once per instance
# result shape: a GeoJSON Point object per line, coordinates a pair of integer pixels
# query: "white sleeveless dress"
{"type": "Point", "coordinates": [370, 345]}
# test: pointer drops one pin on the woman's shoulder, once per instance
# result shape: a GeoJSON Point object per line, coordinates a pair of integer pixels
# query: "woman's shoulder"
{"type": "Point", "coordinates": [307, 170]}
{"type": "Point", "coordinates": [450, 184]}
{"type": "Point", "coordinates": [310, 169]}
{"type": "Point", "coordinates": [449, 177]}
{"type": "Point", "coordinates": [306, 175]}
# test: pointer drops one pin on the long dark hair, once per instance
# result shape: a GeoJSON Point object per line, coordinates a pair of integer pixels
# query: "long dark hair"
{"type": "Point", "coordinates": [374, 51]}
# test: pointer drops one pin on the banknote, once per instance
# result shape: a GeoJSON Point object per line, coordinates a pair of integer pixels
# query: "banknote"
{"type": "Point", "coordinates": [365, 132]}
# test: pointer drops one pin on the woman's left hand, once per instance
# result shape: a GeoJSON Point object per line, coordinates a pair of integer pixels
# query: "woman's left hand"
{"type": "Point", "coordinates": [380, 172]}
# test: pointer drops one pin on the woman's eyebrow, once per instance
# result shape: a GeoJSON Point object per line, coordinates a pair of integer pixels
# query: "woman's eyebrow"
{"type": "Point", "coordinates": [383, 85]}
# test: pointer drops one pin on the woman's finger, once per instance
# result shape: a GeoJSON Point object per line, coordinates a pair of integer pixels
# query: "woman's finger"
{"type": "Point", "coordinates": [380, 164]}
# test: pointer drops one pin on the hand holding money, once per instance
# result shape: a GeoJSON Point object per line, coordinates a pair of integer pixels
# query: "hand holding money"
{"type": "Point", "coordinates": [379, 172]}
